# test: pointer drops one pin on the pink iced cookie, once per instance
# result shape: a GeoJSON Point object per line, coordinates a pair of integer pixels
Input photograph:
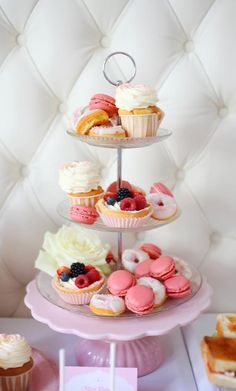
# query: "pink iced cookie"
{"type": "Point", "coordinates": [160, 188]}
{"type": "Point", "coordinates": [103, 102]}
{"type": "Point", "coordinates": [83, 214]}
{"type": "Point", "coordinates": [177, 287]}
{"type": "Point", "coordinates": [152, 250]}
{"type": "Point", "coordinates": [140, 299]}
{"type": "Point", "coordinates": [163, 267]}
{"type": "Point", "coordinates": [143, 269]}
{"type": "Point", "coordinates": [120, 281]}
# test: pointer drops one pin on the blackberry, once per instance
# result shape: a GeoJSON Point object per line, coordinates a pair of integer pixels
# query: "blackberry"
{"type": "Point", "coordinates": [122, 193]}
{"type": "Point", "coordinates": [76, 269]}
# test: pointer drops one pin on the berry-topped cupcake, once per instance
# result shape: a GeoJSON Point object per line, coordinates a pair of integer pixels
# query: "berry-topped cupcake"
{"type": "Point", "coordinates": [77, 284]}
{"type": "Point", "coordinates": [125, 207]}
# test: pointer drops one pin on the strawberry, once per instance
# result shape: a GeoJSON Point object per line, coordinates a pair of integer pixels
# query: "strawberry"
{"type": "Point", "coordinates": [128, 204]}
{"type": "Point", "coordinates": [114, 186]}
{"type": "Point", "coordinates": [93, 276]}
{"type": "Point", "coordinates": [141, 202]}
{"type": "Point", "coordinates": [110, 194]}
{"type": "Point", "coordinates": [63, 269]}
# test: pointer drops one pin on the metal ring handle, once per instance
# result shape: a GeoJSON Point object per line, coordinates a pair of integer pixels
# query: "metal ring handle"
{"type": "Point", "coordinates": [118, 82]}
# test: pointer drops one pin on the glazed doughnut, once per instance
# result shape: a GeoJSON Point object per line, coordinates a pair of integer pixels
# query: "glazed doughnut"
{"type": "Point", "coordinates": [152, 250]}
{"type": "Point", "coordinates": [164, 206]}
{"type": "Point", "coordinates": [107, 305]}
{"type": "Point", "coordinates": [90, 119]}
{"type": "Point", "coordinates": [181, 267]}
{"type": "Point", "coordinates": [131, 258]}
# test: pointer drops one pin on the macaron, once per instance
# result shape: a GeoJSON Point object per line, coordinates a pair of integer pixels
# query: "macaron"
{"type": "Point", "coordinates": [83, 214]}
{"type": "Point", "coordinates": [140, 299]}
{"type": "Point", "coordinates": [163, 267]}
{"type": "Point", "coordinates": [120, 281]}
{"type": "Point", "coordinates": [103, 102]}
{"type": "Point", "coordinates": [152, 250]}
{"type": "Point", "coordinates": [160, 188]}
{"type": "Point", "coordinates": [177, 286]}
{"type": "Point", "coordinates": [143, 268]}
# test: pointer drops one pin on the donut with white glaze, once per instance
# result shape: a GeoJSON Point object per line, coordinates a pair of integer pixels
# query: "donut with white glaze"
{"type": "Point", "coordinates": [131, 258]}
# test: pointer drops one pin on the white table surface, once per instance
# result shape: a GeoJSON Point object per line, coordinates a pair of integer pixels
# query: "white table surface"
{"type": "Point", "coordinates": [175, 374]}
{"type": "Point", "coordinates": [193, 333]}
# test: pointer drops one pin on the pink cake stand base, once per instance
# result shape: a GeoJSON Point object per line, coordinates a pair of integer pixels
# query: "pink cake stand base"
{"type": "Point", "coordinates": [145, 354]}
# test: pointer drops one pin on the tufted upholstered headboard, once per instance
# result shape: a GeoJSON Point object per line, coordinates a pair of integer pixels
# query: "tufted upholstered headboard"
{"type": "Point", "coordinates": [51, 54]}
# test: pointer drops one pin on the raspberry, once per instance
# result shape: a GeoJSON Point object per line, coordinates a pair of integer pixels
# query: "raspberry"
{"type": "Point", "coordinates": [88, 268]}
{"type": "Point", "coordinates": [128, 204]}
{"type": "Point", "coordinates": [141, 202]}
{"type": "Point", "coordinates": [93, 276]}
{"type": "Point", "coordinates": [110, 194]}
{"type": "Point", "coordinates": [63, 269]}
{"type": "Point", "coordinates": [82, 281]}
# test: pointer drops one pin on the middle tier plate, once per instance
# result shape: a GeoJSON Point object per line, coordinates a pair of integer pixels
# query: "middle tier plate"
{"type": "Point", "coordinates": [64, 207]}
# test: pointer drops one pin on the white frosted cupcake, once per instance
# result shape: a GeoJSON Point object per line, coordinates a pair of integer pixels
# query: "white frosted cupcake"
{"type": "Point", "coordinates": [16, 363]}
{"type": "Point", "coordinates": [140, 116]}
{"type": "Point", "coordinates": [80, 180]}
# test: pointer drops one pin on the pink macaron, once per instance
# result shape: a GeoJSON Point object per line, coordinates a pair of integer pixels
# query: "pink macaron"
{"type": "Point", "coordinates": [83, 214]}
{"type": "Point", "coordinates": [160, 188]}
{"type": "Point", "coordinates": [120, 281]}
{"type": "Point", "coordinates": [143, 268]}
{"type": "Point", "coordinates": [177, 286]}
{"type": "Point", "coordinates": [103, 102]}
{"type": "Point", "coordinates": [163, 267]}
{"type": "Point", "coordinates": [140, 299]}
{"type": "Point", "coordinates": [152, 250]}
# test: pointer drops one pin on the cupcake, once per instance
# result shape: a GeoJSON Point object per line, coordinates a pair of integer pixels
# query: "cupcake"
{"type": "Point", "coordinates": [124, 208]}
{"type": "Point", "coordinates": [16, 363]}
{"type": "Point", "coordinates": [80, 180]}
{"type": "Point", "coordinates": [77, 284]}
{"type": "Point", "coordinates": [140, 116]}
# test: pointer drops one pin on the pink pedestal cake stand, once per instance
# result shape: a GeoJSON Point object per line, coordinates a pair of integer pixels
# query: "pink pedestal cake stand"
{"type": "Point", "coordinates": [138, 341]}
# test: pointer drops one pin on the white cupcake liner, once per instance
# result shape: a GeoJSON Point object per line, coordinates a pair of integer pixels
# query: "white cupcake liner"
{"type": "Point", "coordinates": [77, 298]}
{"type": "Point", "coordinates": [16, 383]}
{"type": "Point", "coordinates": [124, 222]}
{"type": "Point", "coordinates": [144, 125]}
{"type": "Point", "coordinates": [85, 201]}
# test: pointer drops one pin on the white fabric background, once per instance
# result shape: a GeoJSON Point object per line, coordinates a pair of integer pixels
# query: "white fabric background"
{"type": "Point", "coordinates": [51, 54]}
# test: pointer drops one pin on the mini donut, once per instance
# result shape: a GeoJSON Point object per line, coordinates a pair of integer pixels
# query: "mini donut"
{"type": "Point", "coordinates": [89, 119]}
{"type": "Point", "coordinates": [164, 206]}
{"type": "Point", "coordinates": [158, 288]}
{"type": "Point", "coordinates": [181, 267]}
{"type": "Point", "coordinates": [107, 305]}
{"type": "Point", "coordinates": [131, 258]}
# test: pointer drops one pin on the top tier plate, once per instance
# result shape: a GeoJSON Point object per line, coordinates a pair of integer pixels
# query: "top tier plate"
{"type": "Point", "coordinates": [122, 142]}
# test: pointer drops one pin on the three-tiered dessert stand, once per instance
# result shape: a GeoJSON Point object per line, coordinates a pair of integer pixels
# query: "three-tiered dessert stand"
{"type": "Point", "coordinates": [137, 337]}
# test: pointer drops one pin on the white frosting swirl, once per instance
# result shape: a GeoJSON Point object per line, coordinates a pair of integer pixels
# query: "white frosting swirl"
{"type": "Point", "coordinates": [14, 351]}
{"type": "Point", "coordinates": [79, 177]}
{"type": "Point", "coordinates": [131, 97]}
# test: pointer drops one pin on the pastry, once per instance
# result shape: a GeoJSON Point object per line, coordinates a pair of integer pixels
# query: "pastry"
{"type": "Point", "coordinates": [162, 268]}
{"type": "Point", "coordinates": [140, 299]}
{"type": "Point", "coordinates": [88, 119]}
{"type": "Point", "coordinates": [80, 180]}
{"type": "Point", "coordinates": [226, 325]}
{"type": "Point", "coordinates": [140, 116]}
{"type": "Point", "coordinates": [143, 269]}
{"type": "Point", "coordinates": [177, 287]}
{"type": "Point", "coordinates": [119, 282]}
{"type": "Point", "coordinates": [77, 284]}
{"type": "Point", "coordinates": [103, 102]}
{"type": "Point", "coordinates": [107, 131]}
{"type": "Point", "coordinates": [162, 201]}
{"type": "Point", "coordinates": [16, 363]}
{"type": "Point", "coordinates": [152, 250]}
{"type": "Point", "coordinates": [107, 305]}
{"type": "Point", "coordinates": [158, 288]}
{"type": "Point", "coordinates": [160, 188]}
{"type": "Point", "coordinates": [122, 209]}
{"type": "Point", "coordinates": [181, 267]}
{"type": "Point", "coordinates": [219, 355]}
{"type": "Point", "coordinates": [83, 214]}
{"type": "Point", "coordinates": [131, 258]}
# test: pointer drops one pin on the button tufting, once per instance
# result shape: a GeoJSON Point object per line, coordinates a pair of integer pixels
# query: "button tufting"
{"type": "Point", "coordinates": [20, 39]}
{"type": "Point", "coordinates": [24, 171]}
{"type": "Point", "coordinates": [62, 108]}
{"type": "Point", "coordinates": [223, 112]}
{"type": "Point", "coordinates": [105, 42]}
{"type": "Point", "coordinates": [189, 46]}
{"type": "Point", "coordinates": [215, 237]}
{"type": "Point", "coordinates": [180, 174]}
